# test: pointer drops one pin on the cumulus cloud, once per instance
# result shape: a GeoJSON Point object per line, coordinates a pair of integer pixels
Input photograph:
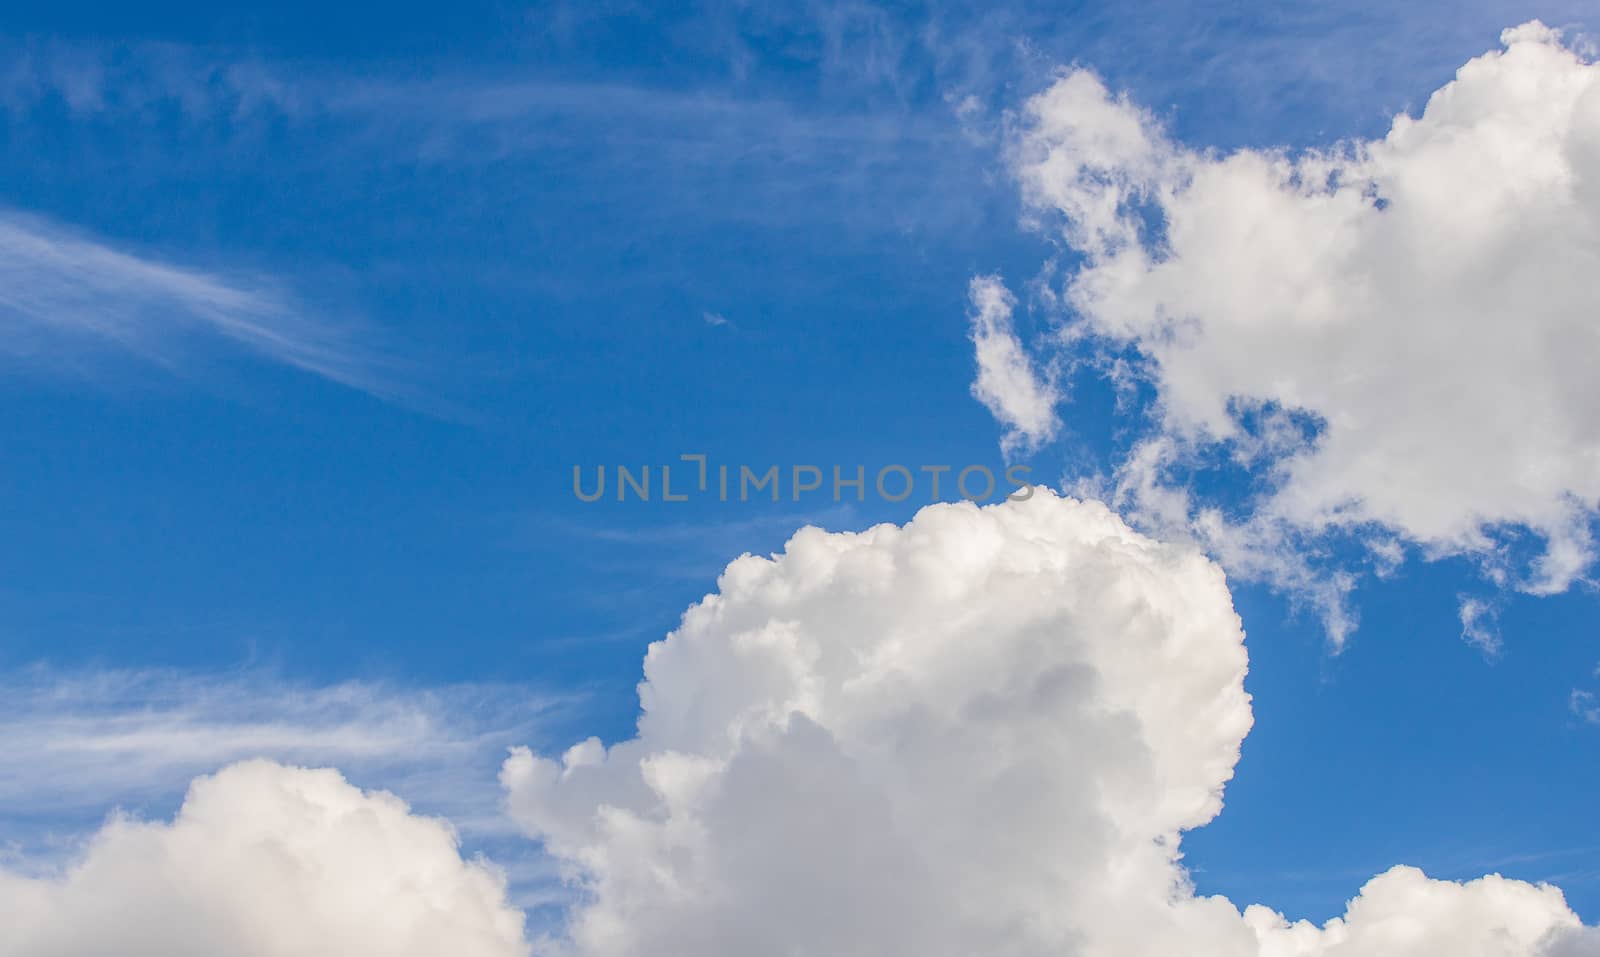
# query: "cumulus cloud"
{"type": "Point", "coordinates": [1393, 334]}
{"type": "Point", "coordinates": [1583, 942]}
{"type": "Point", "coordinates": [1008, 384]}
{"type": "Point", "coordinates": [265, 860]}
{"type": "Point", "coordinates": [984, 732]}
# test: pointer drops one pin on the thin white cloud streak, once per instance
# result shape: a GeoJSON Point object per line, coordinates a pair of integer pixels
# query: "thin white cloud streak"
{"type": "Point", "coordinates": [63, 293]}
{"type": "Point", "coordinates": [472, 116]}
{"type": "Point", "coordinates": [875, 166]}
{"type": "Point", "coordinates": [80, 743]}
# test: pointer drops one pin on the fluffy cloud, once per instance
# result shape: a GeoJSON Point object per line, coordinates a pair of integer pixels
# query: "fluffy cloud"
{"type": "Point", "coordinates": [982, 732]}
{"type": "Point", "coordinates": [1008, 384]}
{"type": "Point", "coordinates": [1396, 333]}
{"type": "Point", "coordinates": [267, 861]}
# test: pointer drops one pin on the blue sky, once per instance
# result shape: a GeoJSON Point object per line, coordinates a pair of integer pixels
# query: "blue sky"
{"type": "Point", "coordinates": [336, 296]}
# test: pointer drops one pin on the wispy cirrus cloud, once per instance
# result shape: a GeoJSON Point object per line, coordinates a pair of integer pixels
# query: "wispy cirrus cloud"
{"type": "Point", "coordinates": [1585, 706]}
{"type": "Point", "coordinates": [81, 742]}
{"type": "Point", "coordinates": [871, 162]}
{"type": "Point", "coordinates": [65, 295]}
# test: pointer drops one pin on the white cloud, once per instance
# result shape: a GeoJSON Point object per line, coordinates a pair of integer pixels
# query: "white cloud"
{"type": "Point", "coordinates": [79, 743]}
{"type": "Point", "coordinates": [1579, 943]}
{"type": "Point", "coordinates": [1257, 548]}
{"type": "Point", "coordinates": [63, 294]}
{"type": "Point", "coordinates": [1008, 385]}
{"type": "Point", "coordinates": [1585, 705]}
{"type": "Point", "coordinates": [1402, 913]}
{"type": "Point", "coordinates": [1479, 627]}
{"type": "Point", "coordinates": [268, 861]}
{"type": "Point", "coordinates": [981, 733]}
{"type": "Point", "coordinates": [1426, 300]}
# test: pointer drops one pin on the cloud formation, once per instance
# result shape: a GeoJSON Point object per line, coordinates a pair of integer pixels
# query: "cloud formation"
{"type": "Point", "coordinates": [1008, 384]}
{"type": "Point", "coordinates": [63, 293]}
{"type": "Point", "coordinates": [1393, 334]}
{"type": "Point", "coordinates": [982, 732]}
{"type": "Point", "coordinates": [81, 742]}
{"type": "Point", "coordinates": [268, 861]}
